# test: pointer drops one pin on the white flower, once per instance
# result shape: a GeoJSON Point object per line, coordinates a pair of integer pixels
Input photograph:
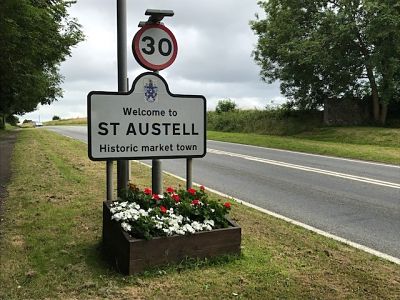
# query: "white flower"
{"type": "Point", "coordinates": [196, 226]}
{"type": "Point", "coordinates": [188, 228]}
{"type": "Point", "coordinates": [143, 213]}
{"type": "Point", "coordinates": [126, 226]}
{"type": "Point", "coordinates": [128, 213]}
{"type": "Point", "coordinates": [117, 216]}
{"type": "Point", "coordinates": [209, 222]}
{"type": "Point", "coordinates": [180, 231]}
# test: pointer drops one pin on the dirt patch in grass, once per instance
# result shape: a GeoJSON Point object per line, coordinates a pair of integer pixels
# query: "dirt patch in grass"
{"type": "Point", "coordinates": [7, 141]}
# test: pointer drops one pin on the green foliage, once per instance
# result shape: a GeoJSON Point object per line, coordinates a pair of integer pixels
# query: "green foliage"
{"type": "Point", "coordinates": [146, 215]}
{"type": "Point", "coordinates": [278, 121]}
{"type": "Point", "coordinates": [12, 120]}
{"type": "Point", "coordinates": [55, 118]}
{"type": "Point", "coordinates": [75, 121]}
{"type": "Point", "coordinates": [226, 105]}
{"type": "Point", "coordinates": [36, 37]}
{"type": "Point", "coordinates": [331, 49]}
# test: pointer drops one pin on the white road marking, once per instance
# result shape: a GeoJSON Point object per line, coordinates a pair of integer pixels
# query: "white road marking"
{"type": "Point", "coordinates": [303, 225]}
{"type": "Point", "coordinates": [307, 169]}
{"type": "Point", "coordinates": [311, 154]}
{"type": "Point", "coordinates": [289, 220]}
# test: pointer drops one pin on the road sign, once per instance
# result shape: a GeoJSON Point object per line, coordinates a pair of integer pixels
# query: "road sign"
{"type": "Point", "coordinates": [154, 47]}
{"type": "Point", "coordinates": [146, 122]}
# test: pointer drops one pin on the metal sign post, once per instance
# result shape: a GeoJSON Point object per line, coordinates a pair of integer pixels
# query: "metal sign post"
{"type": "Point", "coordinates": [189, 173]}
{"type": "Point", "coordinates": [122, 165]}
{"type": "Point", "coordinates": [147, 122]}
{"type": "Point", "coordinates": [155, 48]}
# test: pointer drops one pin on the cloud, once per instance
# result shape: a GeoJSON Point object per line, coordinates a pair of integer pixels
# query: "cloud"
{"type": "Point", "coordinates": [214, 59]}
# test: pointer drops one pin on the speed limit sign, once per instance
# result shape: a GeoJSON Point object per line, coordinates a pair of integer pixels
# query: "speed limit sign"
{"type": "Point", "coordinates": [154, 47]}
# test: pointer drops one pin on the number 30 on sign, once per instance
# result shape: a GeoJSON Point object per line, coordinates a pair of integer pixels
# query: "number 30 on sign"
{"type": "Point", "coordinates": [154, 47]}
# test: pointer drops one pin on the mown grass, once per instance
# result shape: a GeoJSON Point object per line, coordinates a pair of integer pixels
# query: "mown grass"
{"type": "Point", "coordinates": [374, 136]}
{"type": "Point", "coordinates": [298, 131]}
{"type": "Point", "coordinates": [74, 121]}
{"type": "Point", "coordinates": [6, 129]}
{"type": "Point", "coordinates": [51, 236]}
{"type": "Point", "coordinates": [364, 143]}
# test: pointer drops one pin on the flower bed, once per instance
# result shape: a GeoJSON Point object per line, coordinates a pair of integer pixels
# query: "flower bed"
{"type": "Point", "coordinates": [146, 230]}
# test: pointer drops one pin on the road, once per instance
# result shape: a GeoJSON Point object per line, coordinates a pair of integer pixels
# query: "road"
{"type": "Point", "coordinates": [355, 200]}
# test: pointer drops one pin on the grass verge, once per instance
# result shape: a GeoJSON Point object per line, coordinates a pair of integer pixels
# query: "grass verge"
{"type": "Point", "coordinates": [7, 128]}
{"type": "Point", "coordinates": [75, 121]}
{"type": "Point", "coordinates": [364, 143]}
{"type": "Point", "coordinates": [50, 243]}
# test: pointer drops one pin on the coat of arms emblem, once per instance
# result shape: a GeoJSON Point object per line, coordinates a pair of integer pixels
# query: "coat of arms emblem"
{"type": "Point", "coordinates": [150, 91]}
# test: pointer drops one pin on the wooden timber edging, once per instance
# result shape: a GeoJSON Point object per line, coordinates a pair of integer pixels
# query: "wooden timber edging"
{"type": "Point", "coordinates": [130, 255]}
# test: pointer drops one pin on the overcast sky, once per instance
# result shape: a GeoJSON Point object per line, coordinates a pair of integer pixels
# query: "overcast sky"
{"type": "Point", "coordinates": [214, 58]}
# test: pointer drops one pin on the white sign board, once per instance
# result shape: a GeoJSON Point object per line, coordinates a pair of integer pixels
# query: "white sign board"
{"type": "Point", "coordinates": [154, 47]}
{"type": "Point", "coordinates": [147, 122]}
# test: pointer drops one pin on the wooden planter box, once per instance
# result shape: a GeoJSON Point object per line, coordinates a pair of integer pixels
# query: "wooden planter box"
{"type": "Point", "coordinates": [132, 255]}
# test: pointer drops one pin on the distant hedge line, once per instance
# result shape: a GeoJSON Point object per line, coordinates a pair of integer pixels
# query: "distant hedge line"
{"type": "Point", "coordinates": [275, 122]}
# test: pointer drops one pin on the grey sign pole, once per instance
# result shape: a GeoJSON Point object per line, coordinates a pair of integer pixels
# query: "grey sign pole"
{"type": "Point", "coordinates": [156, 173]}
{"type": "Point", "coordinates": [189, 164]}
{"type": "Point", "coordinates": [109, 179]}
{"type": "Point", "coordinates": [122, 165]}
{"type": "Point", "coordinates": [155, 17]}
{"type": "Point", "coordinates": [156, 176]}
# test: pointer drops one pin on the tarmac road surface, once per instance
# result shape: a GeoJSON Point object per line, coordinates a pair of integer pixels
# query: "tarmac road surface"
{"type": "Point", "coordinates": [355, 200]}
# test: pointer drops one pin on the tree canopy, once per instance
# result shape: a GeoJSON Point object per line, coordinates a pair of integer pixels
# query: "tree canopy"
{"type": "Point", "coordinates": [322, 49]}
{"type": "Point", "coordinates": [36, 36]}
{"type": "Point", "coordinates": [225, 105]}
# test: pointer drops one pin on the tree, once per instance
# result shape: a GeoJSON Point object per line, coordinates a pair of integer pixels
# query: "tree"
{"type": "Point", "coordinates": [12, 120]}
{"type": "Point", "coordinates": [225, 106]}
{"type": "Point", "coordinates": [322, 49]}
{"type": "Point", "coordinates": [38, 36]}
{"type": "Point", "coordinates": [55, 118]}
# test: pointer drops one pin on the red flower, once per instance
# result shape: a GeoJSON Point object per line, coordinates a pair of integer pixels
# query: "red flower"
{"type": "Point", "coordinates": [196, 202]}
{"type": "Point", "coordinates": [156, 197]}
{"type": "Point", "coordinates": [202, 188]}
{"type": "Point", "coordinates": [176, 198]}
{"type": "Point", "coordinates": [163, 209]}
{"type": "Point", "coordinates": [227, 205]}
{"type": "Point", "coordinates": [148, 191]}
{"type": "Point", "coordinates": [170, 190]}
{"type": "Point", "coordinates": [192, 191]}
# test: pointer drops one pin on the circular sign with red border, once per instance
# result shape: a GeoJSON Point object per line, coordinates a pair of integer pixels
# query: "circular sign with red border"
{"type": "Point", "coordinates": [154, 47]}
